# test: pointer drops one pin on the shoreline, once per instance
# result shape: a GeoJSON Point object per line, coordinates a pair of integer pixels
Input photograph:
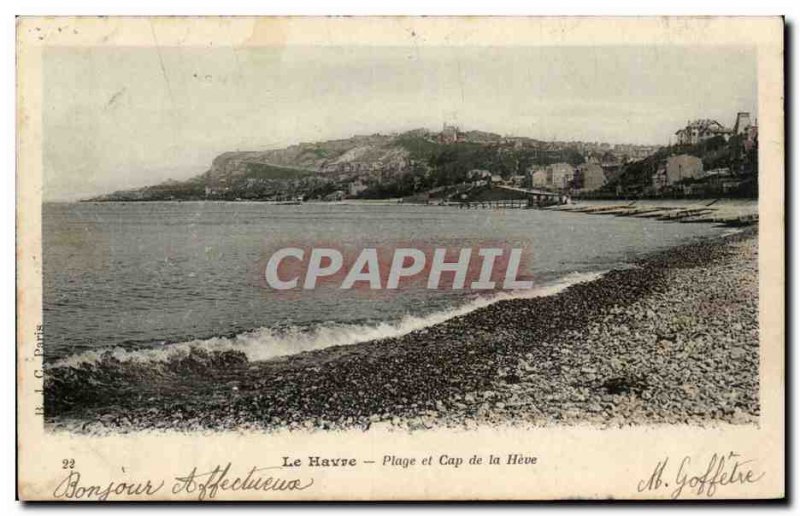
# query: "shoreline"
{"type": "Point", "coordinates": [595, 353]}
{"type": "Point", "coordinates": [723, 211]}
{"type": "Point", "coordinates": [392, 328]}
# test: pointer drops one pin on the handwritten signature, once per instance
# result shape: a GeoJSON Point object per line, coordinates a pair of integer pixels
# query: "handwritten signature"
{"type": "Point", "coordinates": [203, 485]}
{"type": "Point", "coordinates": [722, 469]}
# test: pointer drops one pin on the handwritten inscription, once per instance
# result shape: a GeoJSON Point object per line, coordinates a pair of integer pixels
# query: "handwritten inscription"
{"type": "Point", "coordinates": [205, 485]}
{"type": "Point", "coordinates": [72, 487]}
{"type": "Point", "coordinates": [286, 476]}
{"type": "Point", "coordinates": [208, 484]}
{"type": "Point", "coordinates": [700, 478]}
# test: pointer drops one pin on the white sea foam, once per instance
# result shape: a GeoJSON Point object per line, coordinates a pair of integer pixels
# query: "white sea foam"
{"type": "Point", "coordinates": [265, 343]}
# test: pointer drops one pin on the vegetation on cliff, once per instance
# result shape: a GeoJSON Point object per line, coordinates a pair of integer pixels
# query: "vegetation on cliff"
{"type": "Point", "coordinates": [734, 154]}
{"type": "Point", "coordinates": [375, 166]}
{"type": "Point", "coordinates": [419, 161]}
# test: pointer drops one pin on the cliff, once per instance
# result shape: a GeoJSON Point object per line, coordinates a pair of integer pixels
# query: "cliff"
{"type": "Point", "coordinates": [372, 166]}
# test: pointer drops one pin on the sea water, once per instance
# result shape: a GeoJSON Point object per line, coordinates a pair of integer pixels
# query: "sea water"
{"type": "Point", "coordinates": [145, 280]}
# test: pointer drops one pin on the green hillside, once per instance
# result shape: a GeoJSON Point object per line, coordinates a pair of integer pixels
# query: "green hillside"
{"type": "Point", "coordinates": [634, 178]}
{"type": "Point", "coordinates": [272, 172]}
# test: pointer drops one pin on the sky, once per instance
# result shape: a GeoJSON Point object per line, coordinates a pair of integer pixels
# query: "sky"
{"type": "Point", "coordinates": [127, 117]}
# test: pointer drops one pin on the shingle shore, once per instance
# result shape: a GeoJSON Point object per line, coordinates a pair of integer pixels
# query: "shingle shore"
{"type": "Point", "coordinates": [674, 340]}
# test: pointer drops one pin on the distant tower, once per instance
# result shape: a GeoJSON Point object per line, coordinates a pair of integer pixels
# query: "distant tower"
{"type": "Point", "coordinates": [742, 122]}
{"type": "Point", "coordinates": [449, 133]}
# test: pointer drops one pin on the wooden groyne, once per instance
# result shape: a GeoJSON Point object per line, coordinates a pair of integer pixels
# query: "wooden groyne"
{"type": "Point", "coordinates": [701, 212]}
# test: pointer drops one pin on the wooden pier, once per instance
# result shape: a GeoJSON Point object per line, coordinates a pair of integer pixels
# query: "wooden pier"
{"type": "Point", "coordinates": [531, 198]}
{"type": "Point", "coordinates": [497, 205]}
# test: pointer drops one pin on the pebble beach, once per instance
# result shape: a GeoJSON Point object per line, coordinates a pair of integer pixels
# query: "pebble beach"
{"type": "Point", "coordinates": [673, 339]}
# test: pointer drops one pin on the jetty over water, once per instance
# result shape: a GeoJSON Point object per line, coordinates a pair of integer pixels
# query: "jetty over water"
{"type": "Point", "coordinates": [536, 194]}
{"type": "Point", "coordinates": [521, 198]}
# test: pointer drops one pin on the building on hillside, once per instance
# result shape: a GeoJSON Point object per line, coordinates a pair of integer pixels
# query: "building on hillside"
{"type": "Point", "coordinates": [751, 137]}
{"type": "Point", "coordinates": [683, 167]}
{"type": "Point", "coordinates": [742, 122]}
{"type": "Point", "coordinates": [701, 130]}
{"type": "Point", "coordinates": [721, 180]}
{"type": "Point", "coordinates": [449, 134]}
{"type": "Point", "coordinates": [752, 132]}
{"type": "Point", "coordinates": [478, 173]}
{"type": "Point", "coordinates": [590, 177]}
{"type": "Point", "coordinates": [538, 178]}
{"type": "Point", "coordinates": [517, 180]}
{"type": "Point", "coordinates": [479, 177]}
{"type": "Point", "coordinates": [610, 163]}
{"type": "Point", "coordinates": [560, 175]}
{"type": "Point", "coordinates": [717, 178]}
{"type": "Point", "coordinates": [643, 151]}
{"type": "Point", "coordinates": [557, 175]}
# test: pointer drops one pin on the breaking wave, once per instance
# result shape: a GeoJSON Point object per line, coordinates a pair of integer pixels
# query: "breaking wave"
{"type": "Point", "coordinates": [266, 343]}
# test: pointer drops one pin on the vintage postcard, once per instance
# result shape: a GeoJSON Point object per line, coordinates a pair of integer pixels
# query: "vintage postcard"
{"type": "Point", "coordinates": [399, 258]}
